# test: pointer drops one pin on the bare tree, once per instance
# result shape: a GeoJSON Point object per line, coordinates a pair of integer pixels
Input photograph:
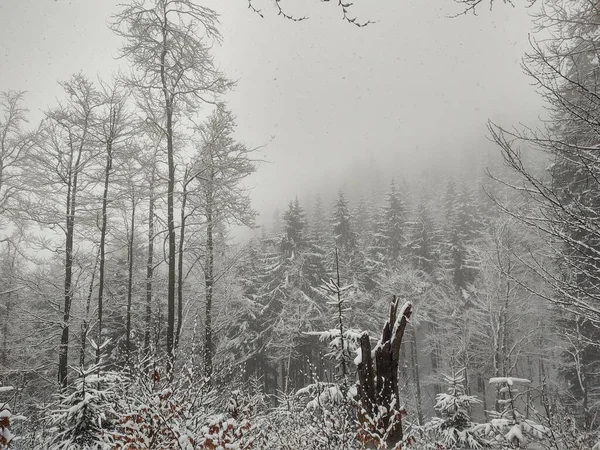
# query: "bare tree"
{"type": "Point", "coordinates": [173, 69]}
{"type": "Point", "coordinates": [222, 165]}
{"type": "Point", "coordinates": [65, 150]}
{"type": "Point", "coordinates": [562, 203]}
{"type": "Point", "coordinates": [112, 128]}
{"type": "Point", "coordinates": [15, 144]}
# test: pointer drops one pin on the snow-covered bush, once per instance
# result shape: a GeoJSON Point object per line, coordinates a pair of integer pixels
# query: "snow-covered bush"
{"type": "Point", "coordinates": [243, 427]}
{"type": "Point", "coordinates": [6, 436]}
{"type": "Point", "coordinates": [159, 413]}
{"type": "Point", "coordinates": [510, 428]}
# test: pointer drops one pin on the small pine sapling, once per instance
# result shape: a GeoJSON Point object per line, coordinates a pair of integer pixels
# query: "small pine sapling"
{"type": "Point", "coordinates": [454, 430]}
{"type": "Point", "coordinates": [85, 417]}
{"type": "Point", "coordinates": [330, 404]}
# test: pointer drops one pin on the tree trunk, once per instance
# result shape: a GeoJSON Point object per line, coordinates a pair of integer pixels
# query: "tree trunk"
{"type": "Point", "coordinates": [85, 325]}
{"type": "Point", "coordinates": [415, 367]}
{"type": "Point", "coordinates": [180, 262]}
{"type": "Point", "coordinates": [130, 249]}
{"type": "Point", "coordinates": [149, 268]}
{"type": "Point", "coordinates": [172, 262]}
{"type": "Point", "coordinates": [5, 329]}
{"type": "Point", "coordinates": [71, 203]}
{"type": "Point", "coordinates": [483, 396]}
{"type": "Point", "coordinates": [103, 228]}
{"type": "Point", "coordinates": [208, 282]}
{"type": "Point", "coordinates": [378, 381]}
{"type": "Point", "coordinates": [434, 359]}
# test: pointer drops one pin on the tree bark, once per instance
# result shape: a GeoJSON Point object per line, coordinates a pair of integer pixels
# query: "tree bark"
{"type": "Point", "coordinates": [71, 204]}
{"type": "Point", "coordinates": [378, 386]}
{"type": "Point", "coordinates": [130, 249]}
{"type": "Point", "coordinates": [107, 169]}
{"type": "Point", "coordinates": [85, 324]}
{"type": "Point", "coordinates": [415, 367]}
{"type": "Point", "coordinates": [180, 261]}
{"type": "Point", "coordinates": [172, 262]}
{"type": "Point", "coordinates": [149, 267]}
{"type": "Point", "coordinates": [209, 283]}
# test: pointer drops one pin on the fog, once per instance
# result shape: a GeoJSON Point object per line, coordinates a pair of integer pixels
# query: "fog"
{"type": "Point", "coordinates": [413, 89]}
{"type": "Point", "coordinates": [316, 259]}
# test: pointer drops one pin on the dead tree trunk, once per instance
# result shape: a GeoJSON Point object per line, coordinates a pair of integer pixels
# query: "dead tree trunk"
{"type": "Point", "coordinates": [380, 410]}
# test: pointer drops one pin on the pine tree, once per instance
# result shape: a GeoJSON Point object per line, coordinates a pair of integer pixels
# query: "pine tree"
{"type": "Point", "coordinates": [345, 238]}
{"type": "Point", "coordinates": [85, 418]}
{"type": "Point", "coordinates": [363, 223]}
{"type": "Point", "coordinates": [454, 430]}
{"type": "Point", "coordinates": [394, 224]}
{"type": "Point", "coordinates": [463, 228]}
{"type": "Point", "coordinates": [318, 222]}
{"type": "Point", "coordinates": [294, 227]}
{"type": "Point", "coordinates": [423, 245]}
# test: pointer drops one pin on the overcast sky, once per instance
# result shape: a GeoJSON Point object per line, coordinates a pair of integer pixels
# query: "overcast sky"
{"type": "Point", "coordinates": [414, 85]}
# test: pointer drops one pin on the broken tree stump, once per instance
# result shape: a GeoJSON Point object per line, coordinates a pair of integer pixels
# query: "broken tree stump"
{"type": "Point", "coordinates": [379, 409]}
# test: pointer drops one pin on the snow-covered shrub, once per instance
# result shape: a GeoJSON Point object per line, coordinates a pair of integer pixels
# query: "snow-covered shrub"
{"type": "Point", "coordinates": [243, 427]}
{"type": "Point", "coordinates": [158, 413]}
{"type": "Point", "coordinates": [6, 436]}
{"type": "Point", "coordinates": [564, 431]}
{"type": "Point", "coordinates": [454, 429]}
{"type": "Point", "coordinates": [510, 428]}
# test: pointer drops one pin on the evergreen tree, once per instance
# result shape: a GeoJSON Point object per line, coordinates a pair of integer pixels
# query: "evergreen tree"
{"type": "Point", "coordinates": [394, 224]}
{"type": "Point", "coordinates": [85, 418]}
{"type": "Point", "coordinates": [454, 430]}
{"type": "Point", "coordinates": [423, 245]}
{"type": "Point", "coordinates": [345, 238]}
{"type": "Point", "coordinates": [363, 223]}
{"type": "Point", "coordinates": [318, 222]}
{"type": "Point", "coordinates": [294, 227]}
{"type": "Point", "coordinates": [463, 227]}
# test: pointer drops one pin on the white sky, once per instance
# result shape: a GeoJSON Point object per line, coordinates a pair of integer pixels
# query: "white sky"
{"type": "Point", "coordinates": [414, 85]}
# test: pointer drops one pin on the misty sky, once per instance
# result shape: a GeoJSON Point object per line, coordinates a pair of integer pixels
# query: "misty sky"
{"type": "Point", "coordinates": [415, 85]}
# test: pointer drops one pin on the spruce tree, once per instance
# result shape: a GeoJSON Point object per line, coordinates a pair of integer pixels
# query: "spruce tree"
{"type": "Point", "coordinates": [454, 429]}
{"type": "Point", "coordinates": [394, 224]}
{"type": "Point", "coordinates": [345, 238]}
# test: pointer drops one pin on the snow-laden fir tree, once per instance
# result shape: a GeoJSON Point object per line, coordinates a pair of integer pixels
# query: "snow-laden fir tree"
{"type": "Point", "coordinates": [346, 239]}
{"type": "Point", "coordinates": [463, 226]}
{"type": "Point", "coordinates": [330, 402]}
{"type": "Point", "coordinates": [454, 429]}
{"type": "Point", "coordinates": [85, 417]}
{"type": "Point", "coordinates": [395, 218]}
{"type": "Point", "coordinates": [423, 244]}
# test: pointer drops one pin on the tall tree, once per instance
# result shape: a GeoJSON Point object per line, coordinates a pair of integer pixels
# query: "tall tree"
{"type": "Point", "coordinates": [346, 239]}
{"type": "Point", "coordinates": [562, 204]}
{"type": "Point", "coordinates": [173, 69]}
{"type": "Point", "coordinates": [66, 149]}
{"type": "Point", "coordinates": [112, 127]}
{"type": "Point", "coordinates": [221, 166]}
{"type": "Point", "coordinates": [394, 223]}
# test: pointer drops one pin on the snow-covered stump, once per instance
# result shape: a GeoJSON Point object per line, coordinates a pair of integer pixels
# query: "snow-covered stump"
{"type": "Point", "coordinates": [380, 411]}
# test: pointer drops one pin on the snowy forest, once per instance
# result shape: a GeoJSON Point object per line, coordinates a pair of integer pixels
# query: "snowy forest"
{"type": "Point", "coordinates": [146, 303]}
